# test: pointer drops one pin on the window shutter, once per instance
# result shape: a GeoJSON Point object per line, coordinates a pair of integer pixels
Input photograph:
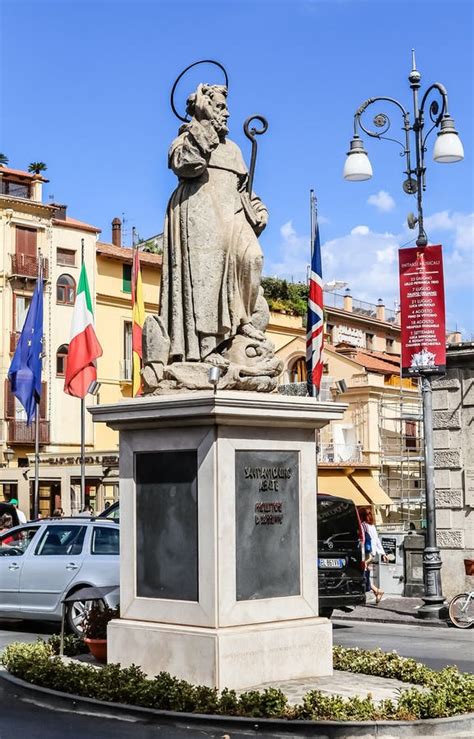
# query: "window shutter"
{"type": "Point", "coordinates": [127, 278]}
{"type": "Point", "coordinates": [9, 401]}
{"type": "Point", "coordinates": [25, 242]}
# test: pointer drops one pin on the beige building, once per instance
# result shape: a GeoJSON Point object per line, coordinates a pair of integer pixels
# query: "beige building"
{"type": "Point", "coordinates": [30, 231]}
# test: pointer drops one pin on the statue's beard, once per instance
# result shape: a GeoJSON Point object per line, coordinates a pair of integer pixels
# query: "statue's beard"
{"type": "Point", "coordinates": [220, 126]}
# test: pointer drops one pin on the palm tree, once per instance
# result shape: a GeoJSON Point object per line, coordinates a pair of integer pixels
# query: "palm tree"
{"type": "Point", "coordinates": [3, 160]}
{"type": "Point", "coordinates": [37, 167]}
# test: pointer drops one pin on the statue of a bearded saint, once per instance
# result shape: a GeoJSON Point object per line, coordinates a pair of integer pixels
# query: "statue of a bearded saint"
{"type": "Point", "coordinates": [212, 261]}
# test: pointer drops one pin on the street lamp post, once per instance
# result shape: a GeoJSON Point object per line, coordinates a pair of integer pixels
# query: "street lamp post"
{"type": "Point", "coordinates": [448, 148]}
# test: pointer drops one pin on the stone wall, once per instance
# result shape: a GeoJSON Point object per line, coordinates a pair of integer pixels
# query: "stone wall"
{"type": "Point", "coordinates": [453, 432]}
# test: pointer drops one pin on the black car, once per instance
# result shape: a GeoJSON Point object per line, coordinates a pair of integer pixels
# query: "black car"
{"type": "Point", "coordinates": [341, 580]}
{"type": "Point", "coordinates": [340, 564]}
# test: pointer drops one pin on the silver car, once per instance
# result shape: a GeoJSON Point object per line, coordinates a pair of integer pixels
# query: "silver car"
{"type": "Point", "coordinates": [43, 561]}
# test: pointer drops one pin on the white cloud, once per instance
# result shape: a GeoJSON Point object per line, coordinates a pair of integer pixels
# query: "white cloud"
{"type": "Point", "coordinates": [459, 225]}
{"type": "Point", "coordinates": [383, 201]}
{"type": "Point", "coordinates": [362, 230]}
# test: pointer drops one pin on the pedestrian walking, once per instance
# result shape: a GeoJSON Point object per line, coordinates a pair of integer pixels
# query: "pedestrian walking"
{"type": "Point", "coordinates": [373, 548]}
{"type": "Point", "coordinates": [21, 515]}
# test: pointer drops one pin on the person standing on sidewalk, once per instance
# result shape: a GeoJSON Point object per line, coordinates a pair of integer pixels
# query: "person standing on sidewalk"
{"type": "Point", "coordinates": [21, 515]}
{"type": "Point", "coordinates": [376, 548]}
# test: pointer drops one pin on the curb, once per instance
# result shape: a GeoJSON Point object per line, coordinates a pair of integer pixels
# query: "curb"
{"type": "Point", "coordinates": [457, 726]}
{"type": "Point", "coordinates": [413, 622]}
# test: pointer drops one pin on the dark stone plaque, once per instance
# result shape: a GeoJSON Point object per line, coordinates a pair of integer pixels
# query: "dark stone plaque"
{"type": "Point", "coordinates": [267, 524]}
{"type": "Point", "coordinates": [167, 525]}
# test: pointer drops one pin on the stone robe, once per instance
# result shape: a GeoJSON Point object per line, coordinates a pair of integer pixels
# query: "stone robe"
{"type": "Point", "coordinates": [212, 260]}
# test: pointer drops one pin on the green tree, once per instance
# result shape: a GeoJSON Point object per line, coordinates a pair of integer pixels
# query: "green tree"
{"type": "Point", "coordinates": [37, 167]}
{"type": "Point", "coordinates": [3, 160]}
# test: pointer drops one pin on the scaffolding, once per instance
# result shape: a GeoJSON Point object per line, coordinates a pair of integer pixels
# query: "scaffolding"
{"type": "Point", "coordinates": [402, 457]}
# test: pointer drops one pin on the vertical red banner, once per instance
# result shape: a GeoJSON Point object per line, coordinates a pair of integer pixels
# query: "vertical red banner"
{"type": "Point", "coordinates": [423, 328]}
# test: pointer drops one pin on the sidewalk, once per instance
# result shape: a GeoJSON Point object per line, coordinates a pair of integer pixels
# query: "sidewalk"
{"type": "Point", "coordinates": [391, 610]}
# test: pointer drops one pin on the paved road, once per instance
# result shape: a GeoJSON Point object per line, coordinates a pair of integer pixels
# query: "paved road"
{"type": "Point", "coordinates": [433, 646]}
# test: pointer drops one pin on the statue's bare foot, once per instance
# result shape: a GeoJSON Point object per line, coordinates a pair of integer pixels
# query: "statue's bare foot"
{"type": "Point", "coordinates": [217, 360]}
{"type": "Point", "coordinates": [251, 332]}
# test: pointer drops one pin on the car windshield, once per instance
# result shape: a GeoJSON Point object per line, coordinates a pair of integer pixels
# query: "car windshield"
{"type": "Point", "coordinates": [337, 519]}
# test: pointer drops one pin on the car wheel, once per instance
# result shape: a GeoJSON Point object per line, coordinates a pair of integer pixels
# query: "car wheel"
{"type": "Point", "coordinates": [326, 612]}
{"type": "Point", "coordinates": [75, 613]}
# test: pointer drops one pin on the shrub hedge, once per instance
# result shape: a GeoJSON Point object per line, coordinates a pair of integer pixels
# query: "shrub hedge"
{"type": "Point", "coordinates": [441, 694]}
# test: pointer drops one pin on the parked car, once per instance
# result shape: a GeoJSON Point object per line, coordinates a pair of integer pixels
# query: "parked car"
{"type": "Point", "coordinates": [43, 561]}
{"type": "Point", "coordinates": [341, 580]}
{"type": "Point", "coordinates": [340, 554]}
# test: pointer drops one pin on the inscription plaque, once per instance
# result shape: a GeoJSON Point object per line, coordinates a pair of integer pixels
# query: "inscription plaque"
{"type": "Point", "coordinates": [167, 525]}
{"type": "Point", "coordinates": [267, 524]}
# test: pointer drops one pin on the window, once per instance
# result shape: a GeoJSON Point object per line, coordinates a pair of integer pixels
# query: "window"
{"type": "Point", "coordinates": [127, 278]}
{"type": "Point", "coordinates": [25, 241]}
{"type": "Point", "coordinates": [66, 257]}
{"type": "Point", "coordinates": [390, 345]}
{"type": "Point", "coordinates": [15, 189]}
{"type": "Point", "coordinates": [369, 341]}
{"type": "Point", "coordinates": [14, 410]}
{"type": "Point", "coordinates": [126, 370]}
{"type": "Point", "coordinates": [20, 309]}
{"type": "Point", "coordinates": [66, 290]}
{"type": "Point", "coordinates": [298, 370]}
{"type": "Point", "coordinates": [17, 542]}
{"type": "Point", "coordinates": [66, 540]}
{"type": "Point", "coordinates": [61, 360]}
{"type": "Point", "coordinates": [105, 540]}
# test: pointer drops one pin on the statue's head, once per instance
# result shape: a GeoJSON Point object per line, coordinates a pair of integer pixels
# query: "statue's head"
{"type": "Point", "coordinates": [209, 102]}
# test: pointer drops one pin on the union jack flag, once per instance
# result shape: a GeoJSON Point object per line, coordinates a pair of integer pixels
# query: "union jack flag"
{"type": "Point", "coordinates": [315, 322]}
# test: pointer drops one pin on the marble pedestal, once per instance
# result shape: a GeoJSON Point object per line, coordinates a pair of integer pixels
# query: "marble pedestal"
{"type": "Point", "coordinates": [218, 548]}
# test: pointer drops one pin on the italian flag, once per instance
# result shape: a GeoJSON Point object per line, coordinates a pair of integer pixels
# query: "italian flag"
{"type": "Point", "coordinates": [84, 347]}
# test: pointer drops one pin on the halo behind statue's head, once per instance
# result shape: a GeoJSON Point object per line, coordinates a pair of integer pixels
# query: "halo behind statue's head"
{"type": "Point", "coordinates": [205, 89]}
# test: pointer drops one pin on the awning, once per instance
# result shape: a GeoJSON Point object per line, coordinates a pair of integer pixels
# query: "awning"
{"type": "Point", "coordinates": [369, 486]}
{"type": "Point", "coordinates": [335, 482]}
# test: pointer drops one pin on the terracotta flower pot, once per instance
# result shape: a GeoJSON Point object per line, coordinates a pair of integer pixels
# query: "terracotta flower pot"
{"type": "Point", "coordinates": [98, 648]}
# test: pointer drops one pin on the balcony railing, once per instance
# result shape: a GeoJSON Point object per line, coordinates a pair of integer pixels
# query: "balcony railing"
{"type": "Point", "coordinates": [26, 265]}
{"type": "Point", "coordinates": [338, 453]}
{"type": "Point", "coordinates": [20, 433]}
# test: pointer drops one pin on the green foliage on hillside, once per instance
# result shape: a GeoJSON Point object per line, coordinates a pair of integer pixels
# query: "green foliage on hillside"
{"type": "Point", "coordinates": [284, 296]}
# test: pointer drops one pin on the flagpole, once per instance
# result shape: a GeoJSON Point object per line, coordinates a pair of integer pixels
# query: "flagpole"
{"type": "Point", "coordinates": [312, 209]}
{"type": "Point", "coordinates": [83, 428]}
{"type": "Point", "coordinates": [36, 489]}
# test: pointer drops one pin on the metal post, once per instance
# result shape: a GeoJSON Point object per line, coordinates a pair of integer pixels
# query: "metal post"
{"type": "Point", "coordinates": [83, 457]}
{"type": "Point", "coordinates": [312, 207]}
{"type": "Point", "coordinates": [36, 488]}
{"type": "Point", "coordinates": [434, 605]}
{"type": "Point", "coordinates": [83, 428]}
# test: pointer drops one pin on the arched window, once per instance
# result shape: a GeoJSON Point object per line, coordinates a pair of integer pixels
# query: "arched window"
{"type": "Point", "coordinates": [66, 290]}
{"type": "Point", "coordinates": [298, 370]}
{"type": "Point", "coordinates": [61, 360]}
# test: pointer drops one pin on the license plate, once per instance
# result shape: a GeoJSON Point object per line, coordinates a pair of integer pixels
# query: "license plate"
{"type": "Point", "coordinates": [334, 563]}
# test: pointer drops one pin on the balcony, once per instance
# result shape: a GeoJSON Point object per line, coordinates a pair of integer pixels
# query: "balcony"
{"type": "Point", "coordinates": [26, 265]}
{"type": "Point", "coordinates": [20, 433]}
{"type": "Point", "coordinates": [340, 453]}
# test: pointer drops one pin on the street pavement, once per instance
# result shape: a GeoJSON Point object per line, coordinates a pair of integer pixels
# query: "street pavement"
{"type": "Point", "coordinates": [430, 645]}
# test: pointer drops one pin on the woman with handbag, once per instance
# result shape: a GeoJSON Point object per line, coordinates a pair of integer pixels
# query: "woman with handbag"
{"type": "Point", "coordinates": [372, 547]}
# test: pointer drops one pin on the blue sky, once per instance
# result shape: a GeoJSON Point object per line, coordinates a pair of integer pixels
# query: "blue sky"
{"type": "Point", "coordinates": [85, 87]}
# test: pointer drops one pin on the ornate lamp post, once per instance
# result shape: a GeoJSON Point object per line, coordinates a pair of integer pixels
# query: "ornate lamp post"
{"type": "Point", "coordinates": [447, 148]}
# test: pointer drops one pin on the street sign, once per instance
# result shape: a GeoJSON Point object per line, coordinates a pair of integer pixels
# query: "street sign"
{"type": "Point", "coordinates": [423, 332]}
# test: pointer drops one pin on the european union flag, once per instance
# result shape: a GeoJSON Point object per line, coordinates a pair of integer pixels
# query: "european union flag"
{"type": "Point", "coordinates": [25, 370]}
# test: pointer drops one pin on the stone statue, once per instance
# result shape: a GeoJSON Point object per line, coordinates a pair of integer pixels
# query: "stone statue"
{"type": "Point", "coordinates": [212, 309]}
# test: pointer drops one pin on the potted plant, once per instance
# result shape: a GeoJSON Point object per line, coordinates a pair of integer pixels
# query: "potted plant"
{"type": "Point", "coordinates": [95, 629]}
{"type": "Point", "coordinates": [37, 167]}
